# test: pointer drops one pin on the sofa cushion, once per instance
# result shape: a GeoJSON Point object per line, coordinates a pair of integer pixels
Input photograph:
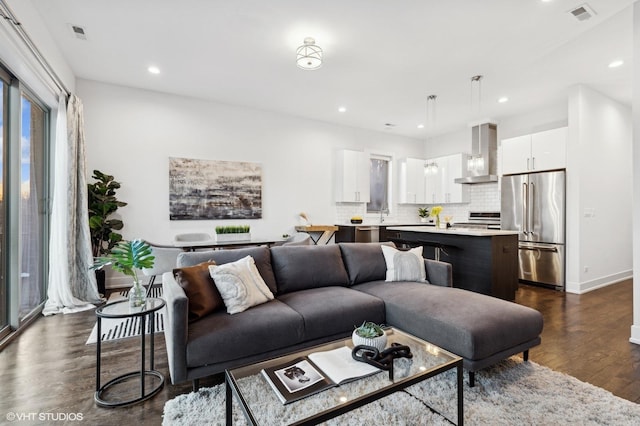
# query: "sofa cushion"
{"type": "Point", "coordinates": [404, 265]}
{"type": "Point", "coordinates": [240, 285]}
{"type": "Point", "coordinates": [364, 261]}
{"type": "Point", "coordinates": [199, 288]}
{"type": "Point", "coordinates": [471, 325]}
{"type": "Point", "coordinates": [220, 337]}
{"type": "Point", "coordinates": [304, 267]}
{"type": "Point", "coordinates": [333, 310]}
{"type": "Point", "coordinates": [261, 255]}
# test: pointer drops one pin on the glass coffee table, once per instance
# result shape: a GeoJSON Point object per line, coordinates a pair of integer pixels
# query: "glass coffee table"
{"type": "Point", "coordinates": [254, 394]}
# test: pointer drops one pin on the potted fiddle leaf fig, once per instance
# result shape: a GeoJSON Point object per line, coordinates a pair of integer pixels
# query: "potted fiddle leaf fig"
{"type": "Point", "coordinates": [128, 257]}
{"type": "Point", "coordinates": [102, 204]}
{"type": "Point", "coordinates": [369, 334]}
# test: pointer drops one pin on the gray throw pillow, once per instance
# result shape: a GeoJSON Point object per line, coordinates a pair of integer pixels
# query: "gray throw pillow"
{"type": "Point", "coordinates": [404, 265]}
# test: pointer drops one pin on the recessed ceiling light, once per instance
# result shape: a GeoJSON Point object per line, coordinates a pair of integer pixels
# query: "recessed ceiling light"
{"type": "Point", "coordinates": [153, 69]}
{"type": "Point", "coordinates": [420, 126]}
{"type": "Point", "coordinates": [616, 64]}
{"type": "Point", "coordinates": [342, 109]}
{"type": "Point", "coordinates": [503, 99]}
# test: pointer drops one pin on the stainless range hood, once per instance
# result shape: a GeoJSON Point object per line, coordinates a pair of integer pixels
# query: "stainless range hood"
{"type": "Point", "coordinates": [481, 166]}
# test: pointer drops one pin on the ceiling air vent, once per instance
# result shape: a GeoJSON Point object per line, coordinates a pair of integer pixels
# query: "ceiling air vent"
{"type": "Point", "coordinates": [583, 13]}
{"type": "Point", "coordinates": [78, 31]}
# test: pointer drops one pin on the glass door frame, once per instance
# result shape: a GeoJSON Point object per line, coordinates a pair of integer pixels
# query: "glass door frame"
{"type": "Point", "coordinates": [10, 259]}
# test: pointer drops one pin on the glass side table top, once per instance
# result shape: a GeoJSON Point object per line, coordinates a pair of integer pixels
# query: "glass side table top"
{"type": "Point", "coordinates": [121, 309]}
{"type": "Point", "coordinates": [428, 360]}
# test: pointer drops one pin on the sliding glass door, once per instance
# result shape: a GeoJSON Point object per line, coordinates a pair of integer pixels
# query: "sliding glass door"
{"type": "Point", "coordinates": [24, 210]}
{"type": "Point", "coordinates": [32, 205]}
{"type": "Point", "coordinates": [4, 311]}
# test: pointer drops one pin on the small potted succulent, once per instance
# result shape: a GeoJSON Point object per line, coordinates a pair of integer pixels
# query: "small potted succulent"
{"type": "Point", "coordinates": [369, 334]}
{"type": "Point", "coordinates": [423, 212]}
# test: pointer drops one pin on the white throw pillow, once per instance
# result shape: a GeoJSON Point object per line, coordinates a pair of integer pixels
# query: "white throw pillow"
{"type": "Point", "coordinates": [404, 265]}
{"type": "Point", "coordinates": [240, 284]}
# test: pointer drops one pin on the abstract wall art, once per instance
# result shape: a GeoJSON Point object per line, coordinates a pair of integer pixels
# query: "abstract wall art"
{"type": "Point", "coordinates": [207, 189]}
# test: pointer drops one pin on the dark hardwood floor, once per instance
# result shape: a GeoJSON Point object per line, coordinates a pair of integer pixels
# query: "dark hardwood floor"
{"type": "Point", "coordinates": [49, 369]}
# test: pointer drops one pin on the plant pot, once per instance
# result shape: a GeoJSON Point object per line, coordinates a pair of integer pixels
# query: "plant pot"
{"type": "Point", "coordinates": [242, 236]}
{"type": "Point", "coordinates": [424, 219]}
{"type": "Point", "coordinates": [379, 342]}
{"type": "Point", "coordinates": [101, 279]}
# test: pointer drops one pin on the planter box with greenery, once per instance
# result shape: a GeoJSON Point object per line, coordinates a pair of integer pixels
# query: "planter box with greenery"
{"type": "Point", "coordinates": [233, 233]}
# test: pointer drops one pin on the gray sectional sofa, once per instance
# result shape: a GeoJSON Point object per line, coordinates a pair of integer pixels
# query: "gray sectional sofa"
{"type": "Point", "coordinates": [321, 293]}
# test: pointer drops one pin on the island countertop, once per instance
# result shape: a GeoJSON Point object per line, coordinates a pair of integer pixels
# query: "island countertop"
{"type": "Point", "coordinates": [453, 231]}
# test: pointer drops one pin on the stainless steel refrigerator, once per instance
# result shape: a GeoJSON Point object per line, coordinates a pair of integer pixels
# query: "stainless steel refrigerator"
{"type": "Point", "coordinates": [534, 205]}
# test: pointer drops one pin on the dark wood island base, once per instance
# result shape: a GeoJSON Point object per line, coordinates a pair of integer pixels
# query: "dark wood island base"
{"type": "Point", "coordinates": [484, 261]}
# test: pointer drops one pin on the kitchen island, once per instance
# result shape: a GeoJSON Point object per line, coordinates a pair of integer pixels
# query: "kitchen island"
{"type": "Point", "coordinates": [483, 260]}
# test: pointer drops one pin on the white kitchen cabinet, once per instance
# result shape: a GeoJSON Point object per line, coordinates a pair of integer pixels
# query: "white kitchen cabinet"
{"type": "Point", "coordinates": [440, 186]}
{"type": "Point", "coordinates": [412, 181]}
{"type": "Point", "coordinates": [515, 154]}
{"type": "Point", "coordinates": [450, 168]}
{"type": "Point", "coordinates": [352, 177]}
{"type": "Point", "coordinates": [549, 149]}
{"type": "Point", "coordinates": [535, 152]}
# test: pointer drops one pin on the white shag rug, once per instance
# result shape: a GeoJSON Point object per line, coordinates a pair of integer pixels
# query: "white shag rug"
{"type": "Point", "coordinates": [113, 329]}
{"type": "Point", "coordinates": [512, 392]}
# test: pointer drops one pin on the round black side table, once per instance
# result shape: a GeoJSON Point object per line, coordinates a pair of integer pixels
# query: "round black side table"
{"type": "Point", "coordinates": [121, 309]}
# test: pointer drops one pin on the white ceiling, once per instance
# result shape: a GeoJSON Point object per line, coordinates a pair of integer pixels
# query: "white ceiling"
{"type": "Point", "coordinates": [382, 57]}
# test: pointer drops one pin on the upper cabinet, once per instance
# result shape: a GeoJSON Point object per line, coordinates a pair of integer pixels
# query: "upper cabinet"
{"type": "Point", "coordinates": [432, 181]}
{"type": "Point", "coordinates": [412, 181]}
{"type": "Point", "coordinates": [352, 177]}
{"type": "Point", "coordinates": [536, 152]}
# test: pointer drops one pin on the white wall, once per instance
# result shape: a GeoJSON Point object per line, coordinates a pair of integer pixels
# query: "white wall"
{"type": "Point", "coordinates": [635, 328]}
{"type": "Point", "coordinates": [132, 133]}
{"type": "Point", "coordinates": [599, 187]}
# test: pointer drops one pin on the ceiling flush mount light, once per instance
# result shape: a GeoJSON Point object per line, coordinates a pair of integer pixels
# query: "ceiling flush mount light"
{"type": "Point", "coordinates": [153, 69]}
{"type": "Point", "coordinates": [616, 64]}
{"type": "Point", "coordinates": [309, 56]}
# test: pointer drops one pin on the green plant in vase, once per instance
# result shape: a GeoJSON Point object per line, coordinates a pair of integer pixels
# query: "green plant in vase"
{"type": "Point", "coordinates": [128, 257]}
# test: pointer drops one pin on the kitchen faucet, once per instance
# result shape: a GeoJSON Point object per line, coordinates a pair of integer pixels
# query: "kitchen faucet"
{"type": "Point", "coordinates": [383, 211]}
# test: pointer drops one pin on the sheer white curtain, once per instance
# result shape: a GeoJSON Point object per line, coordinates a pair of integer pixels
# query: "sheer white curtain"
{"type": "Point", "coordinates": [72, 286]}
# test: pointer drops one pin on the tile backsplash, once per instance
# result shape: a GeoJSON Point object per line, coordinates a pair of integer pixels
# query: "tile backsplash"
{"type": "Point", "coordinates": [483, 197]}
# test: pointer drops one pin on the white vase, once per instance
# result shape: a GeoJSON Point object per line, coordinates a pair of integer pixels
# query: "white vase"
{"type": "Point", "coordinates": [424, 220]}
{"type": "Point", "coordinates": [379, 342]}
{"type": "Point", "coordinates": [137, 295]}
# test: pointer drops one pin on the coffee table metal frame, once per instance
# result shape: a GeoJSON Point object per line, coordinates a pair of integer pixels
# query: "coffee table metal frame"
{"type": "Point", "coordinates": [233, 389]}
{"type": "Point", "coordinates": [120, 310]}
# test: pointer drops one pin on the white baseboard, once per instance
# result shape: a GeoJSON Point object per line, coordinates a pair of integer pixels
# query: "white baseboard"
{"type": "Point", "coordinates": [587, 286]}
{"type": "Point", "coordinates": [635, 334]}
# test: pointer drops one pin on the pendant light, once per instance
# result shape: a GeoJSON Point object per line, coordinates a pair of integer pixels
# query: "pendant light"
{"type": "Point", "coordinates": [476, 162]}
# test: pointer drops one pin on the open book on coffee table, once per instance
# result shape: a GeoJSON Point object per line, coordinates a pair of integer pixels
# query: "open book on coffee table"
{"type": "Point", "coordinates": [305, 376]}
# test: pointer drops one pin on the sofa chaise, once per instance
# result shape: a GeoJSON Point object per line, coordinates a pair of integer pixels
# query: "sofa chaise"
{"type": "Point", "coordinates": [320, 294]}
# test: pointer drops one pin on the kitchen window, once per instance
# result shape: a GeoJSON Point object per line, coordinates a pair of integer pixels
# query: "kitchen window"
{"type": "Point", "coordinates": [380, 184]}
